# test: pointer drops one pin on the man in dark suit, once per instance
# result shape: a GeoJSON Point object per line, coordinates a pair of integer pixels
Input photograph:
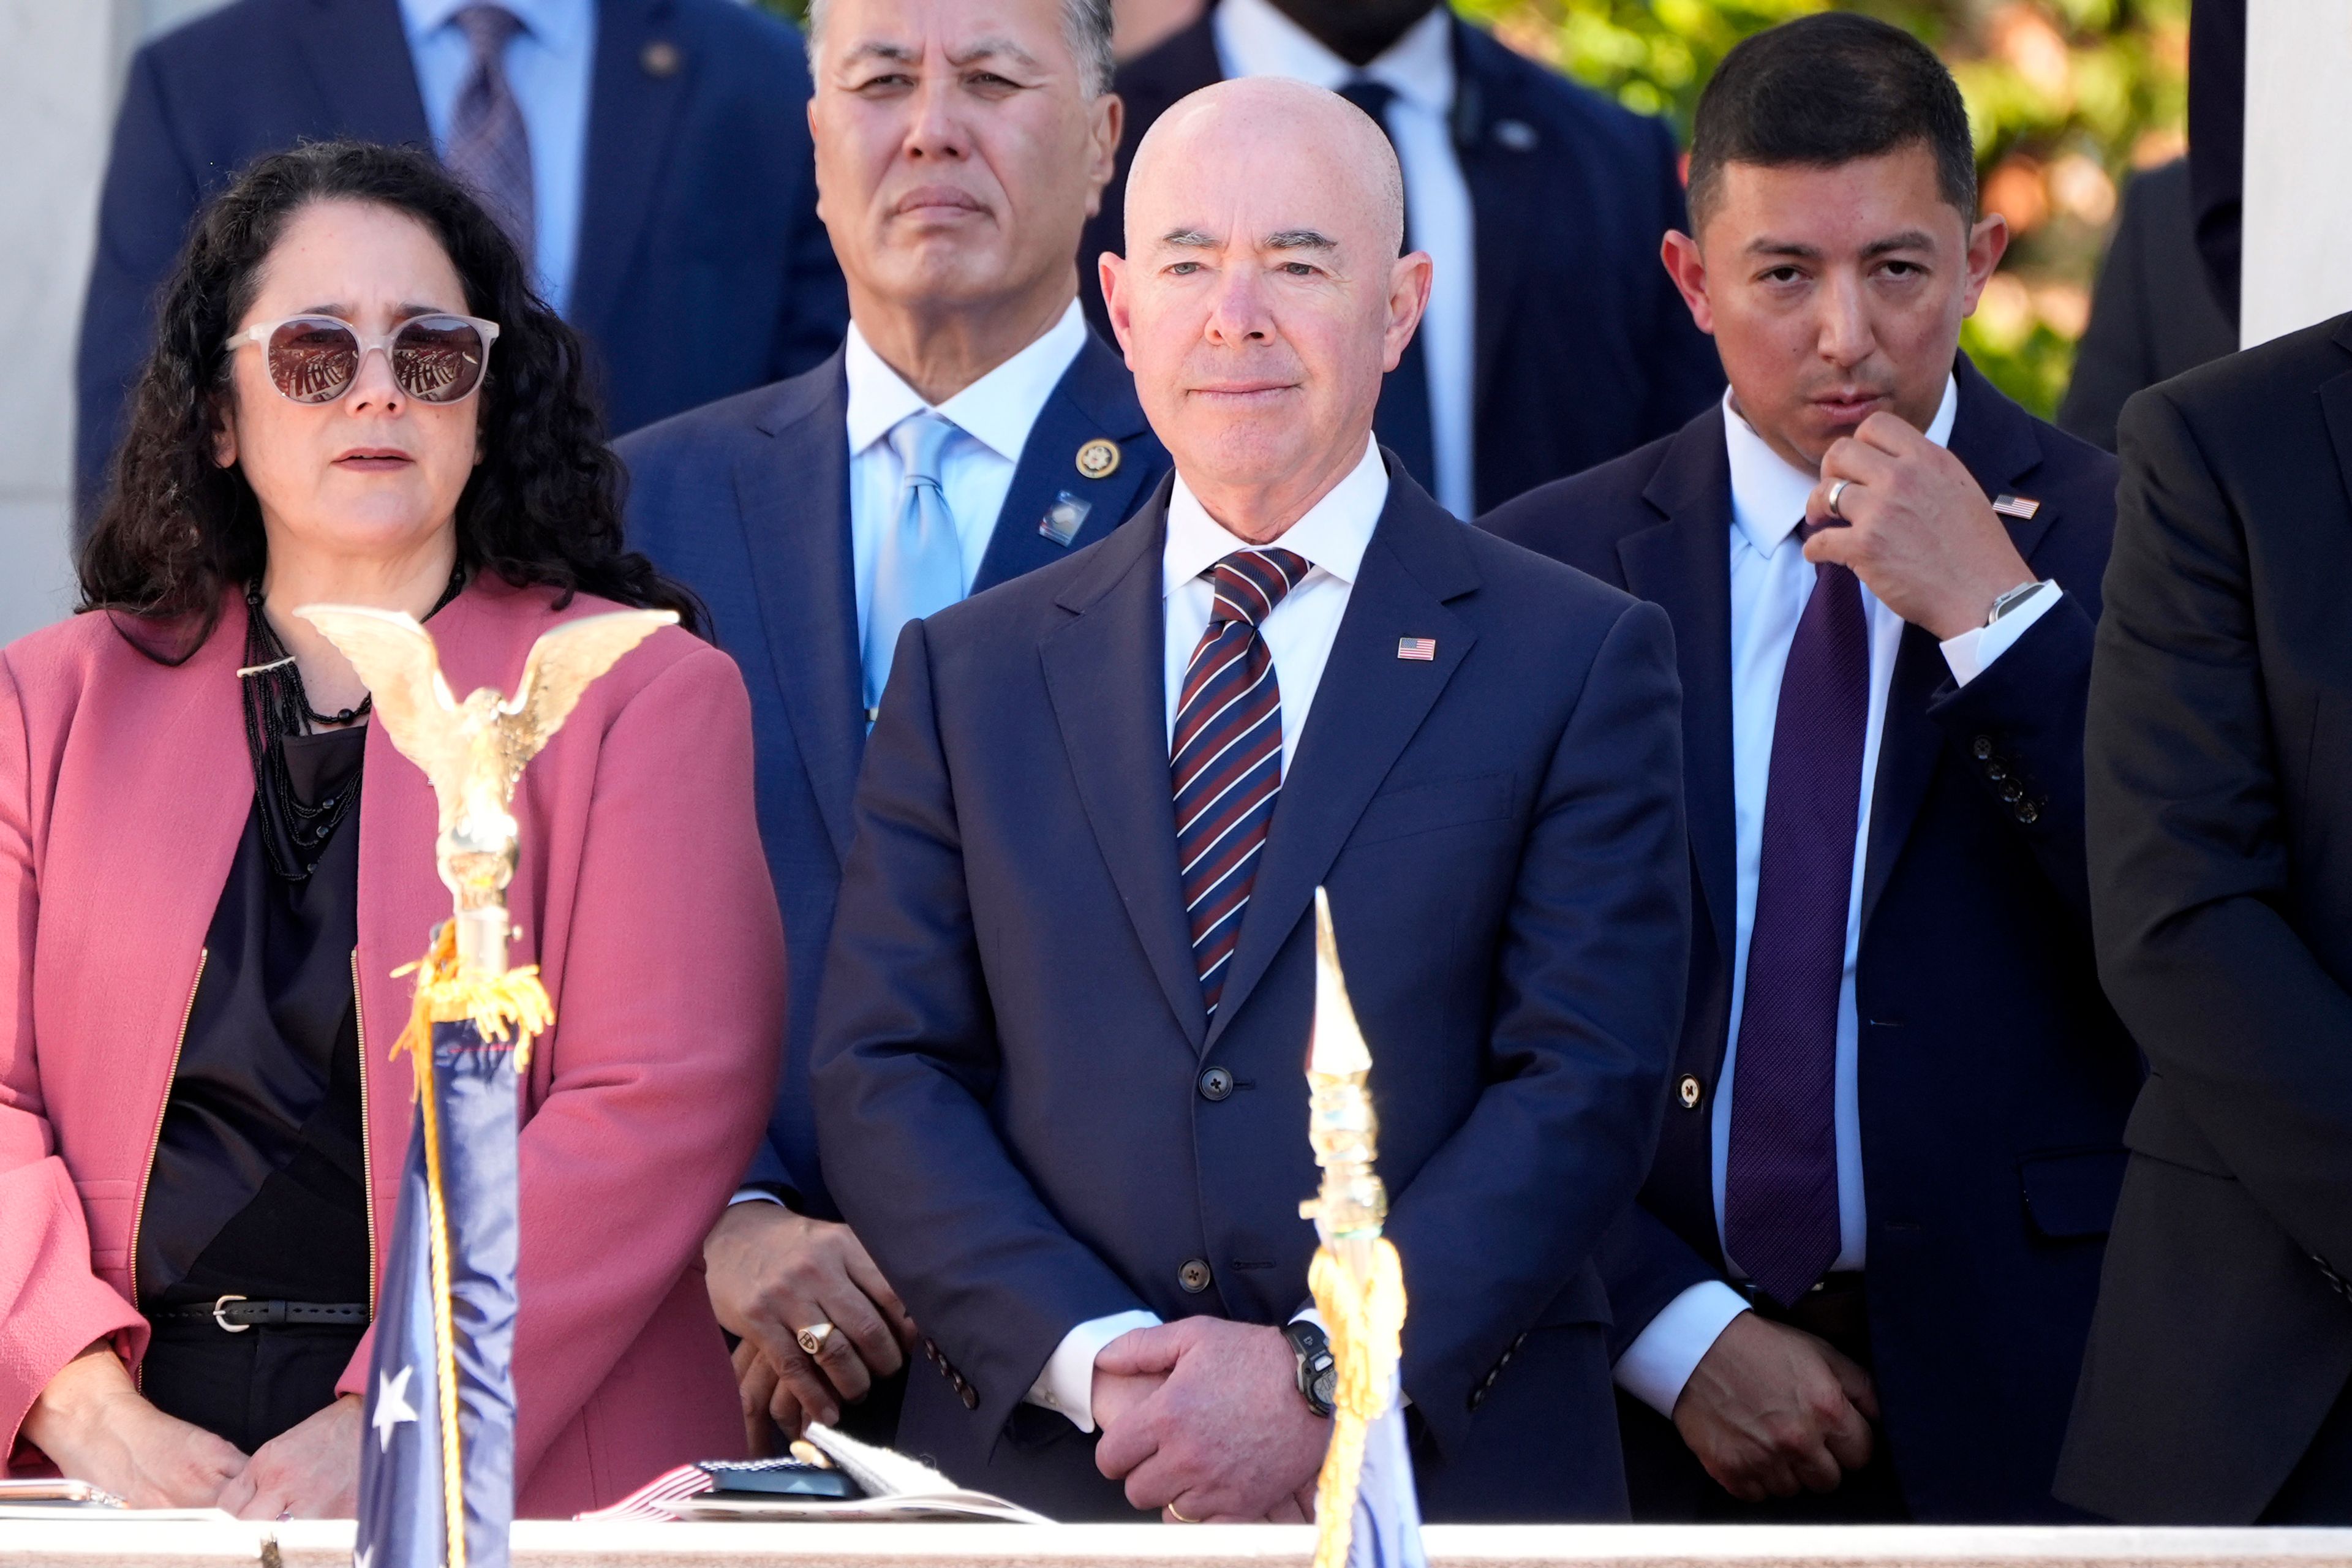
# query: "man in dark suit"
{"type": "Point", "coordinates": [1551, 341]}
{"type": "Point", "coordinates": [651, 156]}
{"type": "Point", "coordinates": [1865, 1260]}
{"type": "Point", "coordinates": [2152, 314]}
{"type": "Point", "coordinates": [970, 429]}
{"type": "Point", "coordinates": [2217, 1387]}
{"type": "Point", "coordinates": [1059, 1054]}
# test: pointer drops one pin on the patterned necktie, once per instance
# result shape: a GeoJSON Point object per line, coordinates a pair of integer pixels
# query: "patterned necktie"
{"type": "Point", "coordinates": [1402, 418]}
{"type": "Point", "coordinates": [490, 148]}
{"type": "Point", "coordinates": [919, 571]}
{"type": "Point", "coordinates": [1225, 759]}
{"type": "Point", "coordinates": [1780, 1183]}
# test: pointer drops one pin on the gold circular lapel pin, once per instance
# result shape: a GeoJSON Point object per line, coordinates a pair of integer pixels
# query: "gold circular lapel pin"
{"type": "Point", "coordinates": [1099, 458]}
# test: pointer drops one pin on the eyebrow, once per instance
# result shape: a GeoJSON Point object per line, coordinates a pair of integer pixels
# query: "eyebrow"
{"type": "Point", "coordinates": [1281, 240]}
{"type": "Point", "coordinates": [402, 311]}
{"type": "Point", "coordinates": [1909, 239]}
{"type": "Point", "coordinates": [899, 54]}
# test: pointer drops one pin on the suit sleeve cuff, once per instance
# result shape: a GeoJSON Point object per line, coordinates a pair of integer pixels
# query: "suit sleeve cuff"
{"type": "Point", "coordinates": [1662, 1356]}
{"type": "Point", "coordinates": [1972, 653]}
{"type": "Point", "coordinates": [1067, 1384]}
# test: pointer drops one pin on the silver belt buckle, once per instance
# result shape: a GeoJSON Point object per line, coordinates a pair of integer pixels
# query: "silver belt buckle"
{"type": "Point", "coordinates": [227, 1327]}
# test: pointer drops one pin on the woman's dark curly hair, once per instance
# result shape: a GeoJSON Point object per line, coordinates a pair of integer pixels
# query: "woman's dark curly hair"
{"type": "Point", "coordinates": [178, 532]}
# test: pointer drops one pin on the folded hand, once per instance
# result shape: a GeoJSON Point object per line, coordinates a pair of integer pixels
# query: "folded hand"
{"type": "Point", "coordinates": [1227, 1436]}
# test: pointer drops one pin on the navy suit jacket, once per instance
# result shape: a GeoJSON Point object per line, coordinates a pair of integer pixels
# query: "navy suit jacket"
{"type": "Point", "coordinates": [1994, 1078]}
{"type": "Point", "coordinates": [702, 269]}
{"type": "Point", "coordinates": [1011, 1049]}
{"type": "Point", "coordinates": [748, 502]}
{"type": "Point", "coordinates": [1582, 350]}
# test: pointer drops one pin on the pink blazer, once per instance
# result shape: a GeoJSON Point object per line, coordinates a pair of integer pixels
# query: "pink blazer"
{"type": "Point", "coordinates": [642, 895]}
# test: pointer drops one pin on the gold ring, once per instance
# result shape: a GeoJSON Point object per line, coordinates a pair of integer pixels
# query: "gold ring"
{"type": "Point", "coordinates": [1836, 491]}
{"type": "Point", "coordinates": [812, 1339]}
{"type": "Point", "coordinates": [1178, 1517]}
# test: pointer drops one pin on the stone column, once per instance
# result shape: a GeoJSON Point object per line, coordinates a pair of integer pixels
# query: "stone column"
{"type": "Point", "coordinates": [2298, 192]}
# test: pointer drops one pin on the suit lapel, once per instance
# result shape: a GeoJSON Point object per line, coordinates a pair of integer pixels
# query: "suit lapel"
{"type": "Point", "coordinates": [1994, 438]}
{"type": "Point", "coordinates": [631, 113]}
{"type": "Point", "coordinates": [1367, 708]}
{"type": "Point", "coordinates": [1683, 565]}
{"type": "Point", "coordinates": [1498, 176]}
{"type": "Point", "coordinates": [1094, 400]}
{"type": "Point", "coordinates": [1106, 676]}
{"type": "Point", "coordinates": [356, 52]}
{"type": "Point", "coordinates": [794, 493]}
{"type": "Point", "coordinates": [2335, 406]}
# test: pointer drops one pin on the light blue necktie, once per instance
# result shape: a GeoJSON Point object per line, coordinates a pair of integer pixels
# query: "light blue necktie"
{"type": "Point", "coordinates": [919, 570]}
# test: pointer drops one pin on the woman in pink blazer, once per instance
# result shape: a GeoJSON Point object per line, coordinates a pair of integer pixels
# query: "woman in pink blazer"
{"type": "Point", "coordinates": [215, 864]}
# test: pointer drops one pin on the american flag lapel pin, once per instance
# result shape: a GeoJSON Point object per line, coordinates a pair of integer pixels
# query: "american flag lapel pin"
{"type": "Point", "coordinates": [2020, 507]}
{"type": "Point", "coordinates": [1424, 649]}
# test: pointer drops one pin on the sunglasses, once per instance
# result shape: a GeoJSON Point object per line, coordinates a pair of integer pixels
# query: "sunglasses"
{"type": "Point", "coordinates": [434, 358]}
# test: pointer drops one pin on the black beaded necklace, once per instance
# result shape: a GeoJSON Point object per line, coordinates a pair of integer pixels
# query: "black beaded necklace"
{"type": "Point", "coordinates": [277, 706]}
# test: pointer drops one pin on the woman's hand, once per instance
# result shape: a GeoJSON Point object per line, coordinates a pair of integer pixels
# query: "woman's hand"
{"type": "Point", "coordinates": [94, 1424]}
{"type": "Point", "coordinates": [307, 1471]}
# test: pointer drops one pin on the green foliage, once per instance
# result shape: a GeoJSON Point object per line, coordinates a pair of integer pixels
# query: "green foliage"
{"type": "Point", "coordinates": [2066, 97]}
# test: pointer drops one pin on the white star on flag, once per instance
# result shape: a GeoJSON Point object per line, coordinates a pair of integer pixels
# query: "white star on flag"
{"type": "Point", "coordinates": [391, 1407]}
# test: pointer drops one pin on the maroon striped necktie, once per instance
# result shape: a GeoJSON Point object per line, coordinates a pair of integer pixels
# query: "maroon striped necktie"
{"type": "Point", "coordinates": [1225, 759]}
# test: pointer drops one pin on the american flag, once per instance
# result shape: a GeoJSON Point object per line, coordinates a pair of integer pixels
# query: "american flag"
{"type": "Point", "coordinates": [646, 1502]}
{"type": "Point", "coordinates": [1422, 648]}
{"type": "Point", "coordinates": [436, 1465]}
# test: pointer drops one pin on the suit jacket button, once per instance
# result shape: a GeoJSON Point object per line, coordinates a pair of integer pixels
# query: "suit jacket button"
{"type": "Point", "coordinates": [2012, 793]}
{"type": "Point", "coordinates": [969, 1396]}
{"type": "Point", "coordinates": [2028, 813]}
{"type": "Point", "coordinates": [1981, 747]}
{"type": "Point", "coordinates": [1689, 1091]}
{"type": "Point", "coordinates": [1216, 1083]}
{"type": "Point", "coordinates": [1193, 1276]}
{"type": "Point", "coordinates": [1995, 772]}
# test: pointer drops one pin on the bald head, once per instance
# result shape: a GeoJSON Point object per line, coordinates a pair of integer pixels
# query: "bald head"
{"type": "Point", "coordinates": [1234, 132]}
{"type": "Point", "coordinates": [1263, 295]}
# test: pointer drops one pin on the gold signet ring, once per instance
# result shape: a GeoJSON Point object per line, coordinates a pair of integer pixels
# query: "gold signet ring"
{"type": "Point", "coordinates": [1836, 491]}
{"type": "Point", "coordinates": [813, 1338]}
{"type": "Point", "coordinates": [1099, 458]}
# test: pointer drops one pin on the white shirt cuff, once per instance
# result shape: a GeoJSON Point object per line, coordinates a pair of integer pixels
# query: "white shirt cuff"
{"type": "Point", "coordinates": [1662, 1356]}
{"type": "Point", "coordinates": [1067, 1384]}
{"type": "Point", "coordinates": [1972, 653]}
{"type": "Point", "coordinates": [754, 1196]}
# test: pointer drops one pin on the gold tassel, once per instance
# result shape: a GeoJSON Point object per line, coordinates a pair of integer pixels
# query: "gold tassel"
{"type": "Point", "coordinates": [512, 1004]}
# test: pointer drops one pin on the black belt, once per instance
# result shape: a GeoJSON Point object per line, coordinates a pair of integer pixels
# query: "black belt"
{"type": "Point", "coordinates": [235, 1314]}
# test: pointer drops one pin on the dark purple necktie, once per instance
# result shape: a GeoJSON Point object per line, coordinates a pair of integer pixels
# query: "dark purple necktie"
{"type": "Point", "coordinates": [1780, 1184]}
{"type": "Point", "coordinates": [490, 148]}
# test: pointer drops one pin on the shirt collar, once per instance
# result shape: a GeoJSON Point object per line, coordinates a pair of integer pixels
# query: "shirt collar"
{"type": "Point", "coordinates": [1768, 493]}
{"type": "Point", "coordinates": [1331, 536]}
{"type": "Point", "coordinates": [557, 23]}
{"type": "Point", "coordinates": [998, 410]}
{"type": "Point", "coordinates": [1256, 40]}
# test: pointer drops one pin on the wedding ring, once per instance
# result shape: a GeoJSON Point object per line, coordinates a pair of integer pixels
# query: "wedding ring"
{"type": "Point", "coordinates": [1837, 490]}
{"type": "Point", "coordinates": [1178, 1517]}
{"type": "Point", "coordinates": [813, 1338]}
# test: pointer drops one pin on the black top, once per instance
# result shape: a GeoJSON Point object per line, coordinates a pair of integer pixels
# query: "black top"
{"type": "Point", "coordinates": [258, 1187]}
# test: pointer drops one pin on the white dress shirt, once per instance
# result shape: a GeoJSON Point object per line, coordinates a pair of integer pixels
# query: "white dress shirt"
{"type": "Point", "coordinates": [1253, 38]}
{"type": "Point", "coordinates": [548, 66]}
{"type": "Point", "coordinates": [1771, 582]}
{"type": "Point", "coordinates": [976, 469]}
{"type": "Point", "coordinates": [1298, 634]}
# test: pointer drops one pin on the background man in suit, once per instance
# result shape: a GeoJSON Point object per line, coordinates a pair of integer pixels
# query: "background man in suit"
{"type": "Point", "coordinates": [651, 156]}
{"type": "Point", "coordinates": [1550, 342]}
{"type": "Point", "coordinates": [971, 429]}
{"type": "Point", "coordinates": [2215, 1391]}
{"type": "Point", "coordinates": [1896, 1051]}
{"type": "Point", "coordinates": [1059, 1061]}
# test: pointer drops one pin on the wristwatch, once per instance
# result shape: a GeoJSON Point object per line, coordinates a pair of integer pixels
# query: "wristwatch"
{"type": "Point", "coordinates": [1318, 1373]}
{"type": "Point", "coordinates": [2014, 597]}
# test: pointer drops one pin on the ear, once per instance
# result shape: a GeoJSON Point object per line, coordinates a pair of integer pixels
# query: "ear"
{"type": "Point", "coordinates": [1987, 243]}
{"type": "Point", "coordinates": [1107, 117]}
{"type": "Point", "coordinates": [1111, 271]}
{"type": "Point", "coordinates": [1408, 283]}
{"type": "Point", "coordinates": [1680, 254]}
{"type": "Point", "coordinates": [224, 433]}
